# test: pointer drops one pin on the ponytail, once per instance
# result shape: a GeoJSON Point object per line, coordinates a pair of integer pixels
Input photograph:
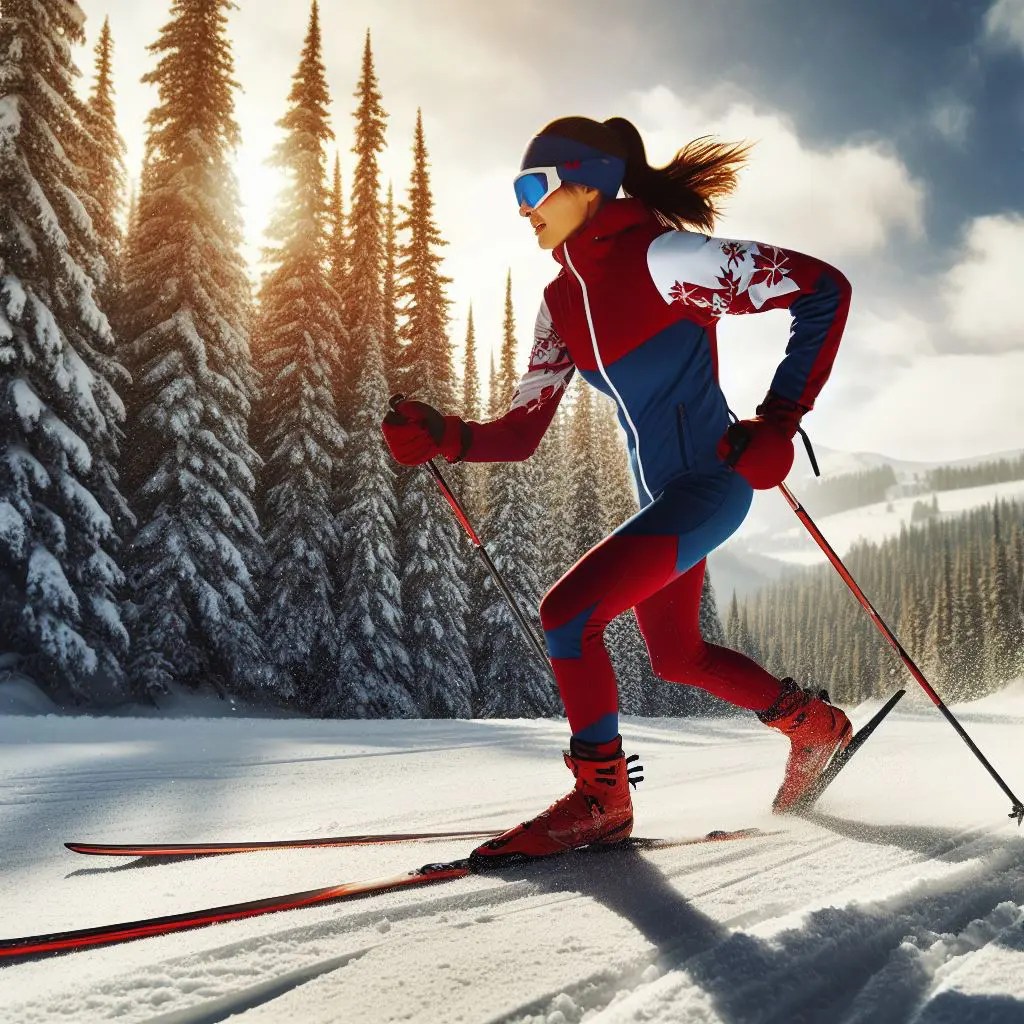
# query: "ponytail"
{"type": "Point", "coordinates": [687, 190]}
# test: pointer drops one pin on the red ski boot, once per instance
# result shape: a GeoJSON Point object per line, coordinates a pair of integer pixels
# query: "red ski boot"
{"type": "Point", "coordinates": [598, 810]}
{"type": "Point", "coordinates": [816, 730]}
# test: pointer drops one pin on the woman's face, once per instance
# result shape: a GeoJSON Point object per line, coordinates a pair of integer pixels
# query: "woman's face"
{"type": "Point", "coordinates": [562, 214]}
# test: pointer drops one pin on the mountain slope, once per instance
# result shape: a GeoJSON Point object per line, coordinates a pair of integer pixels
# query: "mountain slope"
{"type": "Point", "coordinates": [772, 540]}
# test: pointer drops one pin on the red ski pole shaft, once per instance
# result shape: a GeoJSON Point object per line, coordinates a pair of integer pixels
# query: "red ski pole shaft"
{"type": "Point", "coordinates": [492, 569]}
{"type": "Point", "coordinates": [499, 581]}
{"type": "Point", "coordinates": [801, 512]}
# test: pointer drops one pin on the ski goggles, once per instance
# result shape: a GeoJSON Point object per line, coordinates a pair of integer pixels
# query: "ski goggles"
{"type": "Point", "coordinates": [534, 184]}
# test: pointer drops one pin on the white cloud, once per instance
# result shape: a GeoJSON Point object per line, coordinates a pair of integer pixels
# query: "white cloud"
{"type": "Point", "coordinates": [882, 340]}
{"type": "Point", "coordinates": [837, 202]}
{"type": "Point", "coordinates": [941, 407]}
{"type": "Point", "coordinates": [889, 391]}
{"type": "Point", "coordinates": [875, 345]}
{"type": "Point", "coordinates": [982, 292]}
{"type": "Point", "coordinates": [1004, 23]}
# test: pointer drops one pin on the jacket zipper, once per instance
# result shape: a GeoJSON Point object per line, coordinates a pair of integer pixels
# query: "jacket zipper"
{"type": "Point", "coordinates": [604, 373]}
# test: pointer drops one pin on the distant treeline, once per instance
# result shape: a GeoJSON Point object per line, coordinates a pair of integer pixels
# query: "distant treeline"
{"type": "Point", "coordinates": [850, 490]}
{"type": "Point", "coordinates": [952, 591]}
{"type": "Point", "coordinates": [866, 487]}
{"type": "Point", "coordinates": [951, 478]}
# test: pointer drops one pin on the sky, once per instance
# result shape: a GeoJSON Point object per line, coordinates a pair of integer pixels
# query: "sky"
{"type": "Point", "coordinates": [889, 143]}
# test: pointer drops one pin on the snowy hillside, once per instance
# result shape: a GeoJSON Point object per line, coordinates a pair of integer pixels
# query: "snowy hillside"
{"type": "Point", "coordinates": [873, 523]}
{"type": "Point", "coordinates": [772, 542]}
{"type": "Point", "coordinates": [835, 462]}
{"type": "Point", "coordinates": [901, 901]}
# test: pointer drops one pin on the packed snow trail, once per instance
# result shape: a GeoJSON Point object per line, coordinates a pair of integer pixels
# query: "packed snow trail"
{"type": "Point", "coordinates": [900, 900]}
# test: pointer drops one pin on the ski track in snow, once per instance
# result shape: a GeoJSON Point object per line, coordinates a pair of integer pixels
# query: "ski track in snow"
{"type": "Point", "coordinates": [900, 901]}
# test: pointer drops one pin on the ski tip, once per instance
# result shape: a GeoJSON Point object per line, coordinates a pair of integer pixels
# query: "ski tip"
{"type": "Point", "coordinates": [90, 848]}
{"type": "Point", "coordinates": [892, 701]}
{"type": "Point", "coordinates": [1018, 813]}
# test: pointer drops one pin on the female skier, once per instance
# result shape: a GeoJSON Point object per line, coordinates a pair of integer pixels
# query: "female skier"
{"type": "Point", "coordinates": [633, 309]}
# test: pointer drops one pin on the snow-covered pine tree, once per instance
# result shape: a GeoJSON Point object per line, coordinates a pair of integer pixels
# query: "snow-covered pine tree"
{"type": "Point", "coordinates": [60, 620]}
{"type": "Point", "coordinates": [374, 666]}
{"type": "Point", "coordinates": [390, 345]}
{"type": "Point", "coordinates": [474, 475]}
{"type": "Point", "coordinates": [186, 337]}
{"type": "Point", "coordinates": [711, 627]}
{"type": "Point", "coordinates": [1016, 625]}
{"type": "Point", "coordinates": [753, 649]}
{"type": "Point", "coordinates": [508, 371]}
{"type": "Point", "coordinates": [968, 651]}
{"type": "Point", "coordinates": [1000, 608]}
{"type": "Point", "coordinates": [801, 641]}
{"type": "Point", "coordinates": [98, 150]}
{"type": "Point", "coordinates": [131, 218]}
{"type": "Point", "coordinates": [362, 299]}
{"type": "Point", "coordinates": [552, 459]}
{"type": "Point", "coordinates": [337, 240]}
{"type": "Point", "coordinates": [584, 473]}
{"type": "Point", "coordinates": [734, 626]}
{"type": "Point", "coordinates": [372, 675]}
{"type": "Point", "coordinates": [911, 625]}
{"type": "Point", "coordinates": [471, 482]}
{"type": "Point", "coordinates": [433, 573]}
{"type": "Point", "coordinates": [511, 681]}
{"type": "Point", "coordinates": [299, 334]}
{"type": "Point", "coordinates": [105, 167]}
{"type": "Point", "coordinates": [939, 635]}
{"type": "Point", "coordinates": [492, 391]}
{"type": "Point", "coordinates": [471, 400]}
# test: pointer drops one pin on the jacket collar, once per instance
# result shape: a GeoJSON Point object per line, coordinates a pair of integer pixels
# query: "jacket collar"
{"type": "Point", "coordinates": [614, 217]}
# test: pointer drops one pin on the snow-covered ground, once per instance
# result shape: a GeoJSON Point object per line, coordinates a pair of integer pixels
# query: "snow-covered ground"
{"type": "Point", "coordinates": [901, 900]}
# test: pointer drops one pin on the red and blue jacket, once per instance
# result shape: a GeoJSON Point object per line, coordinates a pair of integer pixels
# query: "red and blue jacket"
{"type": "Point", "coordinates": [634, 310]}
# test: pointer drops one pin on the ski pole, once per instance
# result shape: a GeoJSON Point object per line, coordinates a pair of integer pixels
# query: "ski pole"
{"type": "Point", "coordinates": [1018, 807]}
{"type": "Point", "coordinates": [449, 496]}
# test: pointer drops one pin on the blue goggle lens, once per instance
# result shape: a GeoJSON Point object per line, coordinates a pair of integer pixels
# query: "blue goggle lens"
{"type": "Point", "coordinates": [531, 188]}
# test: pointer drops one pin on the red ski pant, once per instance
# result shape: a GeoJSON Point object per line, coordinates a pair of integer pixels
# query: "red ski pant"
{"type": "Point", "coordinates": [653, 563]}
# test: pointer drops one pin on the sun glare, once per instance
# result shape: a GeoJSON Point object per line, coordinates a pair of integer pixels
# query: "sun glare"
{"type": "Point", "coordinates": [260, 187]}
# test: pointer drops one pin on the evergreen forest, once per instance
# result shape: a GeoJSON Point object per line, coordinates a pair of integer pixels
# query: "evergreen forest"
{"type": "Point", "coordinates": [194, 490]}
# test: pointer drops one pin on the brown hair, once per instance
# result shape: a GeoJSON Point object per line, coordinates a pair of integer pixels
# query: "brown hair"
{"type": "Point", "coordinates": [685, 191]}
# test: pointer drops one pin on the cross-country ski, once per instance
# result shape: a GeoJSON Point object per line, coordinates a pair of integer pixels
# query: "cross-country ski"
{"type": "Point", "coordinates": [261, 846]}
{"type": "Point", "coordinates": [38, 946]}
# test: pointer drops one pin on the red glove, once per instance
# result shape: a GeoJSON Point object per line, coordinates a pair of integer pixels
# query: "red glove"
{"type": "Point", "coordinates": [417, 432]}
{"type": "Point", "coordinates": [761, 449]}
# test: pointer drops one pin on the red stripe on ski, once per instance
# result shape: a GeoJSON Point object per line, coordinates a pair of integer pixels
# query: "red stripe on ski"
{"type": "Point", "coordinates": [211, 849]}
{"type": "Point", "coordinates": [42, 945]}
